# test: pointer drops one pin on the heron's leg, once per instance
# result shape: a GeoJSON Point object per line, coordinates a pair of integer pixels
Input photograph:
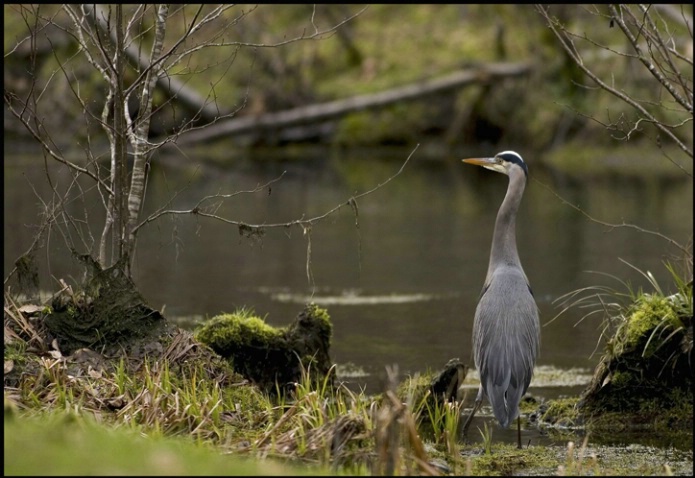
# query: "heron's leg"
{"type": "Point", "coordinates": [518, 429]}
{"type": "Point", "coordinates": [476, 407]}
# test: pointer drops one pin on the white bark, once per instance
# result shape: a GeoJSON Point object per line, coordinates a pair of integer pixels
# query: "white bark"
{"type": "Point", "coordinates": [141, 128]}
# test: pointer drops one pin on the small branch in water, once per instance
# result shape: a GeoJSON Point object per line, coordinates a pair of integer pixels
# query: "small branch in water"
{"type": "Point", "coordinates": [257, 228]}
{"type": "Point", "coordinates": [612, 225]}
{"type": "Point", "coordinates": [197, 208]}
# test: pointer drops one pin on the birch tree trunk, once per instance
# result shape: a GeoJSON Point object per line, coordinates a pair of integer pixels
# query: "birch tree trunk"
{"type": "Point", "coordinates": [120, 149]}
{"type": "Point", "coordinates": [140, 132]}
{"type": "Point", "coordinates": [115, 126]}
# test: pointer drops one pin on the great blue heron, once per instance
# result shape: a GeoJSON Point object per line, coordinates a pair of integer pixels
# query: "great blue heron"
{"type": "Point", "coordinates": [506, 330]}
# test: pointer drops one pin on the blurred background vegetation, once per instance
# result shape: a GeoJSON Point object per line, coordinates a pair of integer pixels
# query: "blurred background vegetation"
{"type": "Point", "coordinates": [380, 48]}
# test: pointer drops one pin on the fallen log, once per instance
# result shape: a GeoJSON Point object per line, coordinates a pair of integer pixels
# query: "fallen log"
{"type": "Point", "coordinates": [333, 109]}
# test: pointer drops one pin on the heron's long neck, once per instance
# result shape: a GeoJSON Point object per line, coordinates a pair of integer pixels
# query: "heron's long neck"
{"type": "Point", "coordinates": [504, 250]}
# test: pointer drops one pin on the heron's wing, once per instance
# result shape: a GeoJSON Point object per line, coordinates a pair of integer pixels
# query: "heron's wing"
{"type": "Point", "coordinates": [506, 341]}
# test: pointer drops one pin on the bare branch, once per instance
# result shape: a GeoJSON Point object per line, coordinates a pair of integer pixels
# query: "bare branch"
{"type": "Point", "coordinates": [612, 225]}
{"type": "Point", "coordinates": [676, 15]}
{"type": "Point", "coordinates": [648, 64]}
{"type": "Point", "coordinates": [560, 32]}
{"type": "Point", "coordinates": [8, 97]}
{"type": "Point", "coordinates": [79, 36]}
{"type": "Point", "coordinates": [196, 210]}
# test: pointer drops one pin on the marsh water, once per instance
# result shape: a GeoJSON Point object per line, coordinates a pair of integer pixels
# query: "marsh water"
{"type": "Point", "coordinates": [400, 273]}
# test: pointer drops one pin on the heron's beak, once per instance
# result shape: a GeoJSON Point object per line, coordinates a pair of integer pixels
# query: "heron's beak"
{"type": "Point", "coordinates": [488, 163]}
{"type": "Point", "coordinates": [485, 162]}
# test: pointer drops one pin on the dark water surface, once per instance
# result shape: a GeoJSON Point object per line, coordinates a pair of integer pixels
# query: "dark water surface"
{"type": "Point", "coordinates": [402, 285]}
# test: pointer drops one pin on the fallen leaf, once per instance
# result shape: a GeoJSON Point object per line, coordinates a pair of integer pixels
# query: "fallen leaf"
{"type": "Point", "coordinates": [115, 403]}
{"type": "Point", "coordinates": [94, 373]}
{"type": "Point", "coordinates": [607, 380]}
{"type": "Point", "coordinates": [30, 309]}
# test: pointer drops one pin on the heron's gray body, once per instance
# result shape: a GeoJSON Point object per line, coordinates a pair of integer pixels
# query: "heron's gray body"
{"type": "Point", "coordinates": [506, 345]}
{"type": "Point", "coordinates": [506, 329]}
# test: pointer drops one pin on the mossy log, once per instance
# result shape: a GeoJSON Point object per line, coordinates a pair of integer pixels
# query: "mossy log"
{"type": "Point", "coordinates": [273, 358]}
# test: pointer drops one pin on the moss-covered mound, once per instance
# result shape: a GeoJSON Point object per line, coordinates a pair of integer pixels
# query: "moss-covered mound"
{"type": "Point", "coordinates": [273, 357]}
{"type": "Point", "coordinates": [647, 368]}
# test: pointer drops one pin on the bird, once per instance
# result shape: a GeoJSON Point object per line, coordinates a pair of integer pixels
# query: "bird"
{"type": "Point", "coordinates": [506, 328]}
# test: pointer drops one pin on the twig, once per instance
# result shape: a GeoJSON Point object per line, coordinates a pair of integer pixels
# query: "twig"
{"type": "Point", "coordinates": [304, 223]}
{"type": "Point", "coordinates": [564, 37]}
{"type": "Point", "coordinates": [612, 225]}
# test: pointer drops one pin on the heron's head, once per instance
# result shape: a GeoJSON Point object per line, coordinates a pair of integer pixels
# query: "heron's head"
{"type": "Point", "coordinates": [502, 162]}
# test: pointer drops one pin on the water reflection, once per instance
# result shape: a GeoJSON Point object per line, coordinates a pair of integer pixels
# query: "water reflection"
{"type": "Point", "coordinates": [400, 275]}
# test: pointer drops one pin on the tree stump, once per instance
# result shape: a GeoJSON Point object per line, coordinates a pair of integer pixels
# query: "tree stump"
{"type": "Point", "coordinates": [106, 312]}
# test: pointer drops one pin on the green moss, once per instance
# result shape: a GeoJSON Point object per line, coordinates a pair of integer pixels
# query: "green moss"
{"type": "Point", "coordinates": [272, 358]}
{"type": "Point", "coordinates": [621, 379]}
{"type": "Point", "coordinates": [573, 460]}
{"type": "Point", "coordinates": [562, 411]}
{"type": "Point", "coordinates": [322, 320]}
{"type": "Point", "coordinates": [644, 379]}
{"type": "Point", "coordinates": [227, 332]}
{"type": "Point", "coordinates": [320, 313]}
{"type": "Point", "coordinates": [649, 312]}
{"type": "Point", "coordinates": [15, 350]}
{"type": "Point", "coordinates": [507, 459]}
{"type": "Point", "coordinates": [528, 404]}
